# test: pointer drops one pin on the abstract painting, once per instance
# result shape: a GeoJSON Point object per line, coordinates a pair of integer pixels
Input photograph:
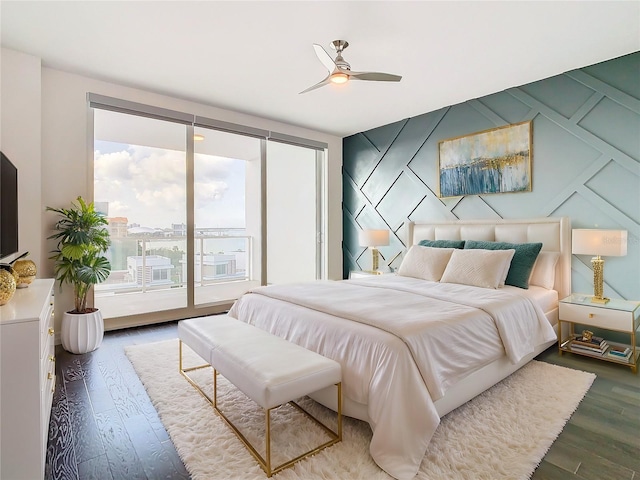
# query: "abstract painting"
{"type": "Point", "coordinates": [491, 161]}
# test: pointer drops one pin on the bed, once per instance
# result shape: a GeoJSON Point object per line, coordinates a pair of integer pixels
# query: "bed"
{"type": "Point", "coordinates": [398, 375]}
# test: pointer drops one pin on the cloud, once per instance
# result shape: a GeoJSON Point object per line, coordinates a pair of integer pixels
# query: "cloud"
{"type": "Point", "coordinates": [157, 170]}
{"type": "Point", "coordinates": [118, 209]}
{"type": "Point", "coordinates": [112, 166]}
{"type": "Point", "coordinates": [148, 185]}
{"type": "Point", "coordinates": [206, 192]}
{"type": "Point", "coordinates": [209, 167]}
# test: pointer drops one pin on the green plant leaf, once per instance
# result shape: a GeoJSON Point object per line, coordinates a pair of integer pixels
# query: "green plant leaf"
{"type": "Point", "coordinates": [81, 240]}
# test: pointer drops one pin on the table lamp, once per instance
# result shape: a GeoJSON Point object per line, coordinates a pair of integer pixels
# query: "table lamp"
{"type": "Point", "coordinates": [606, 243]}
{"type": "Point", "coordinates": [374, 239]}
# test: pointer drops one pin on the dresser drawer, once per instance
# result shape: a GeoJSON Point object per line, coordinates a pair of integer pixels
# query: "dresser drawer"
{"type": "Point", "coordinates": [47, 366]}
{"type": "Point", "coordinates": [597, 317]}
{"type": "Point", "coordinates": [46, 388]}
{"type": "Point", "coordinates": [46, 400]}
{"type": "Point", "coordinates": [47, 369]}
{"type": "Point", "coordinates": [47, 333]}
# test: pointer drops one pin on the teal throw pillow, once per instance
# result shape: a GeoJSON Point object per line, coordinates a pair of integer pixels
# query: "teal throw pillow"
{"type": "Point", "coordinates": [521, 263]}
{"type": "Point", "coordinates": [442, 243]}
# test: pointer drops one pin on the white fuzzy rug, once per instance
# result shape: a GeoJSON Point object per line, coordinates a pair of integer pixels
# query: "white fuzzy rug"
{"type": "Point", "coordinates": [502, 434]}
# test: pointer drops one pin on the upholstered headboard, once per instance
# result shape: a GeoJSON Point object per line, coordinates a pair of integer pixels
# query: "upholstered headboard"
{"type": "Point", "coordinates": [554, 233]}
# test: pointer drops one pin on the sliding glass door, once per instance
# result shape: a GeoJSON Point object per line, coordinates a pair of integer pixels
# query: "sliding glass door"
{"type": "Point", "coordinates": [140, 171]}
{"type": "Point", "coordinates": [199, 211]}
{"type": "Point", "coordinates": [227, 199]}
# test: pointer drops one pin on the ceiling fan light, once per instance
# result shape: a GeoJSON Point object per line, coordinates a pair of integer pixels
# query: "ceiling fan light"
{"type": "Point", "coordinates": [339, 78]}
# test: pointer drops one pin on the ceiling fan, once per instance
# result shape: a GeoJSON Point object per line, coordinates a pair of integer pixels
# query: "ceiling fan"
{"type": "Point", "coordinates": [340, 70]}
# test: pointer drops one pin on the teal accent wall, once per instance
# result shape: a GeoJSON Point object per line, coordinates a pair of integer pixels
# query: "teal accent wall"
{"type": "Point", "coordinates": [586, 165]}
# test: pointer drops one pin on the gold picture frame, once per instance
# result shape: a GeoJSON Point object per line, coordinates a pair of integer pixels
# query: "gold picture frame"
{"type": "Point", "coordinates": [497, 160]}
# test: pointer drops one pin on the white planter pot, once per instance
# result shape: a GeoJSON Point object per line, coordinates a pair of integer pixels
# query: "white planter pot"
{"type": "Point", "coordinates": [82, 332]}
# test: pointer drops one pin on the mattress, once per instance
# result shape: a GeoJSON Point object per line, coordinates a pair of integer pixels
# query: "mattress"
{"type": "Point", "coordinates": [547, 300]}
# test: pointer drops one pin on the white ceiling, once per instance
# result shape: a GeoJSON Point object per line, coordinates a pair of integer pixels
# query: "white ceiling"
{"type": "Point", "coordinates": [254, 57]}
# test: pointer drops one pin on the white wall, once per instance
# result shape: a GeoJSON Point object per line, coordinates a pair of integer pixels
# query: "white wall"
{"type": "Point", "coordinates": [20, 141]}
{"type": "Point", "coordinates": [58, 151]}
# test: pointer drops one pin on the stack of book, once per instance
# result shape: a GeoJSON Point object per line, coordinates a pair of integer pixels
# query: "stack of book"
{"type": "Point", "coordinates": [619, 353]}
{"type": "Point", "coordinates": [595, 346]}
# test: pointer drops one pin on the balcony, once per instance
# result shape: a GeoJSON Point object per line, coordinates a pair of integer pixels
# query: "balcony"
{"type": "Point", "coordinates": [149, 274]}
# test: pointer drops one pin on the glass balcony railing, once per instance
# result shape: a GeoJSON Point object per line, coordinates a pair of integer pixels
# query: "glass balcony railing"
{"type": "Point", "coordinates": [140, 264]}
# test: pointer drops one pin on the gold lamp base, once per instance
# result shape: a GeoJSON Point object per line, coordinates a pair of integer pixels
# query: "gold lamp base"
{"type": "Point", "coordinates": [598, 280]}
{"type": "Point", "coordinates": [375, 261]}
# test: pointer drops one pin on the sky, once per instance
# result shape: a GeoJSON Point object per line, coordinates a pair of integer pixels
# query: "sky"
{"type": "Point", "coordinates": [147, 185]}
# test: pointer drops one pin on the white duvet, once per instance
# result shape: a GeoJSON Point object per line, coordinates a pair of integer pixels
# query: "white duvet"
{"type": "Point", "coordinates": [402, 342]}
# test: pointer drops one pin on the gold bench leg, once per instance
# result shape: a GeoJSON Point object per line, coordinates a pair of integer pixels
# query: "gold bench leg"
{"type": "Point", "coordinates": [267, 419]}
{"type": "Point", "coordinates": [266, 463]}
{"type": "Point", "coordinates": [215, 389]}
{"type": "Point", "coordinates": [183, 372]}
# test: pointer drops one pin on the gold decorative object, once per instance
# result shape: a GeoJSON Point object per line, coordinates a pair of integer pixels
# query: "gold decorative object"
{"type": "Point", "coordinates": [15, 275]}
{"type": "Point", "coordinates": [587, 335]}
{"type": "Point", "coordinates": [26, 270]}
{"type": "Point", "coordinates": [7, 286]}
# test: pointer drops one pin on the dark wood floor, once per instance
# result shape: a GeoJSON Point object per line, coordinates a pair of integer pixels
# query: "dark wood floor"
{"type": "Point", "coordinates": [602, 438]}
{"type": "Point", "coordinates": [103, 425]}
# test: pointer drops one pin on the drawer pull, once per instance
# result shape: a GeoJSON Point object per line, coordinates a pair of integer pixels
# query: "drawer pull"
{"type": "Point", "coordinates": [49, 376]}
{"type": "Point", "coordinates": [591, 315]}
{"type": "Point", "coordinates": [51, 331]}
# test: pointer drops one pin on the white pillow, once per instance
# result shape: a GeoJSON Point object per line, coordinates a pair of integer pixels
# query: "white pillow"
{"type": "Point", "coordinates": [427, 263]}
{"type": "Point", "coordinates": [478, 267]}
{"type": "Point", "coordinates": [543, 272]}
{"type": "Point", "coordinates": [505, 272]}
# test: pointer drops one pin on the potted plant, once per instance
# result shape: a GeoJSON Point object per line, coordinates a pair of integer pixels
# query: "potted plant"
{"type": "Point", "coordinates": [79, 261]}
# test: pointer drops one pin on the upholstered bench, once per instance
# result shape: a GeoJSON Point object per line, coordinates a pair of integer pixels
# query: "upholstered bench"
{"type": "Point", "coordinates": [268, 369]}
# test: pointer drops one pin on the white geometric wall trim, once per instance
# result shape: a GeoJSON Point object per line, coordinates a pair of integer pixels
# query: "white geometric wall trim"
{"type": "Point", "coordinates": [604, 89]}
{"type": "Point", "coordinates": [580, 155]}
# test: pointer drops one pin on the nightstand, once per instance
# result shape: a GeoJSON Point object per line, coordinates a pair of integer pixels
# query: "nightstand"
{"type": "Point", "coordinates": [616, 315]}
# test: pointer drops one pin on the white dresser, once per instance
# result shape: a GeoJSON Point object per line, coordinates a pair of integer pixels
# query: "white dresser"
{"type": "Point", "coordinates": [27, 380]}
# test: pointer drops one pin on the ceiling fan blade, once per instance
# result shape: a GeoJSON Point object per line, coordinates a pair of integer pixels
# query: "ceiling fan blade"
{"type": "Point", "coordinates": [325, 58]}
{"type": "Point", "coordinates": [375, 76]}
{"type": "Point", "coordinates": [318, 85]}
{"type": "Point", "coordinates": [340, 71]}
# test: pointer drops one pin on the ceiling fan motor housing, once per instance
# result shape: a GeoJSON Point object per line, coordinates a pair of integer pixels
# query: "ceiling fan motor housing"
{"type": "Point", "coordinates": [341, 63]}
{"type": "Point", "coordinates": [339, 45]}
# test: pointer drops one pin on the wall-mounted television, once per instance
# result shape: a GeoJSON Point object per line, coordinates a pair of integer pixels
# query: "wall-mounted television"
{"type": "Point", "coordinates": [8, 207]}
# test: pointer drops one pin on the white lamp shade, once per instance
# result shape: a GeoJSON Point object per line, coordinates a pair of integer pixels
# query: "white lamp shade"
{"type": "Point", "coordinates": [606, 243]}
{"type": "Point", "coordinates": [373, 238]}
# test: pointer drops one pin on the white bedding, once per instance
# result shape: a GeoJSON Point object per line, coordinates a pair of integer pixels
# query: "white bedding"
{"type": "Point", "coordinates": [546, 299]}
{"type": "Point", "coordinates": [402, 342]}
